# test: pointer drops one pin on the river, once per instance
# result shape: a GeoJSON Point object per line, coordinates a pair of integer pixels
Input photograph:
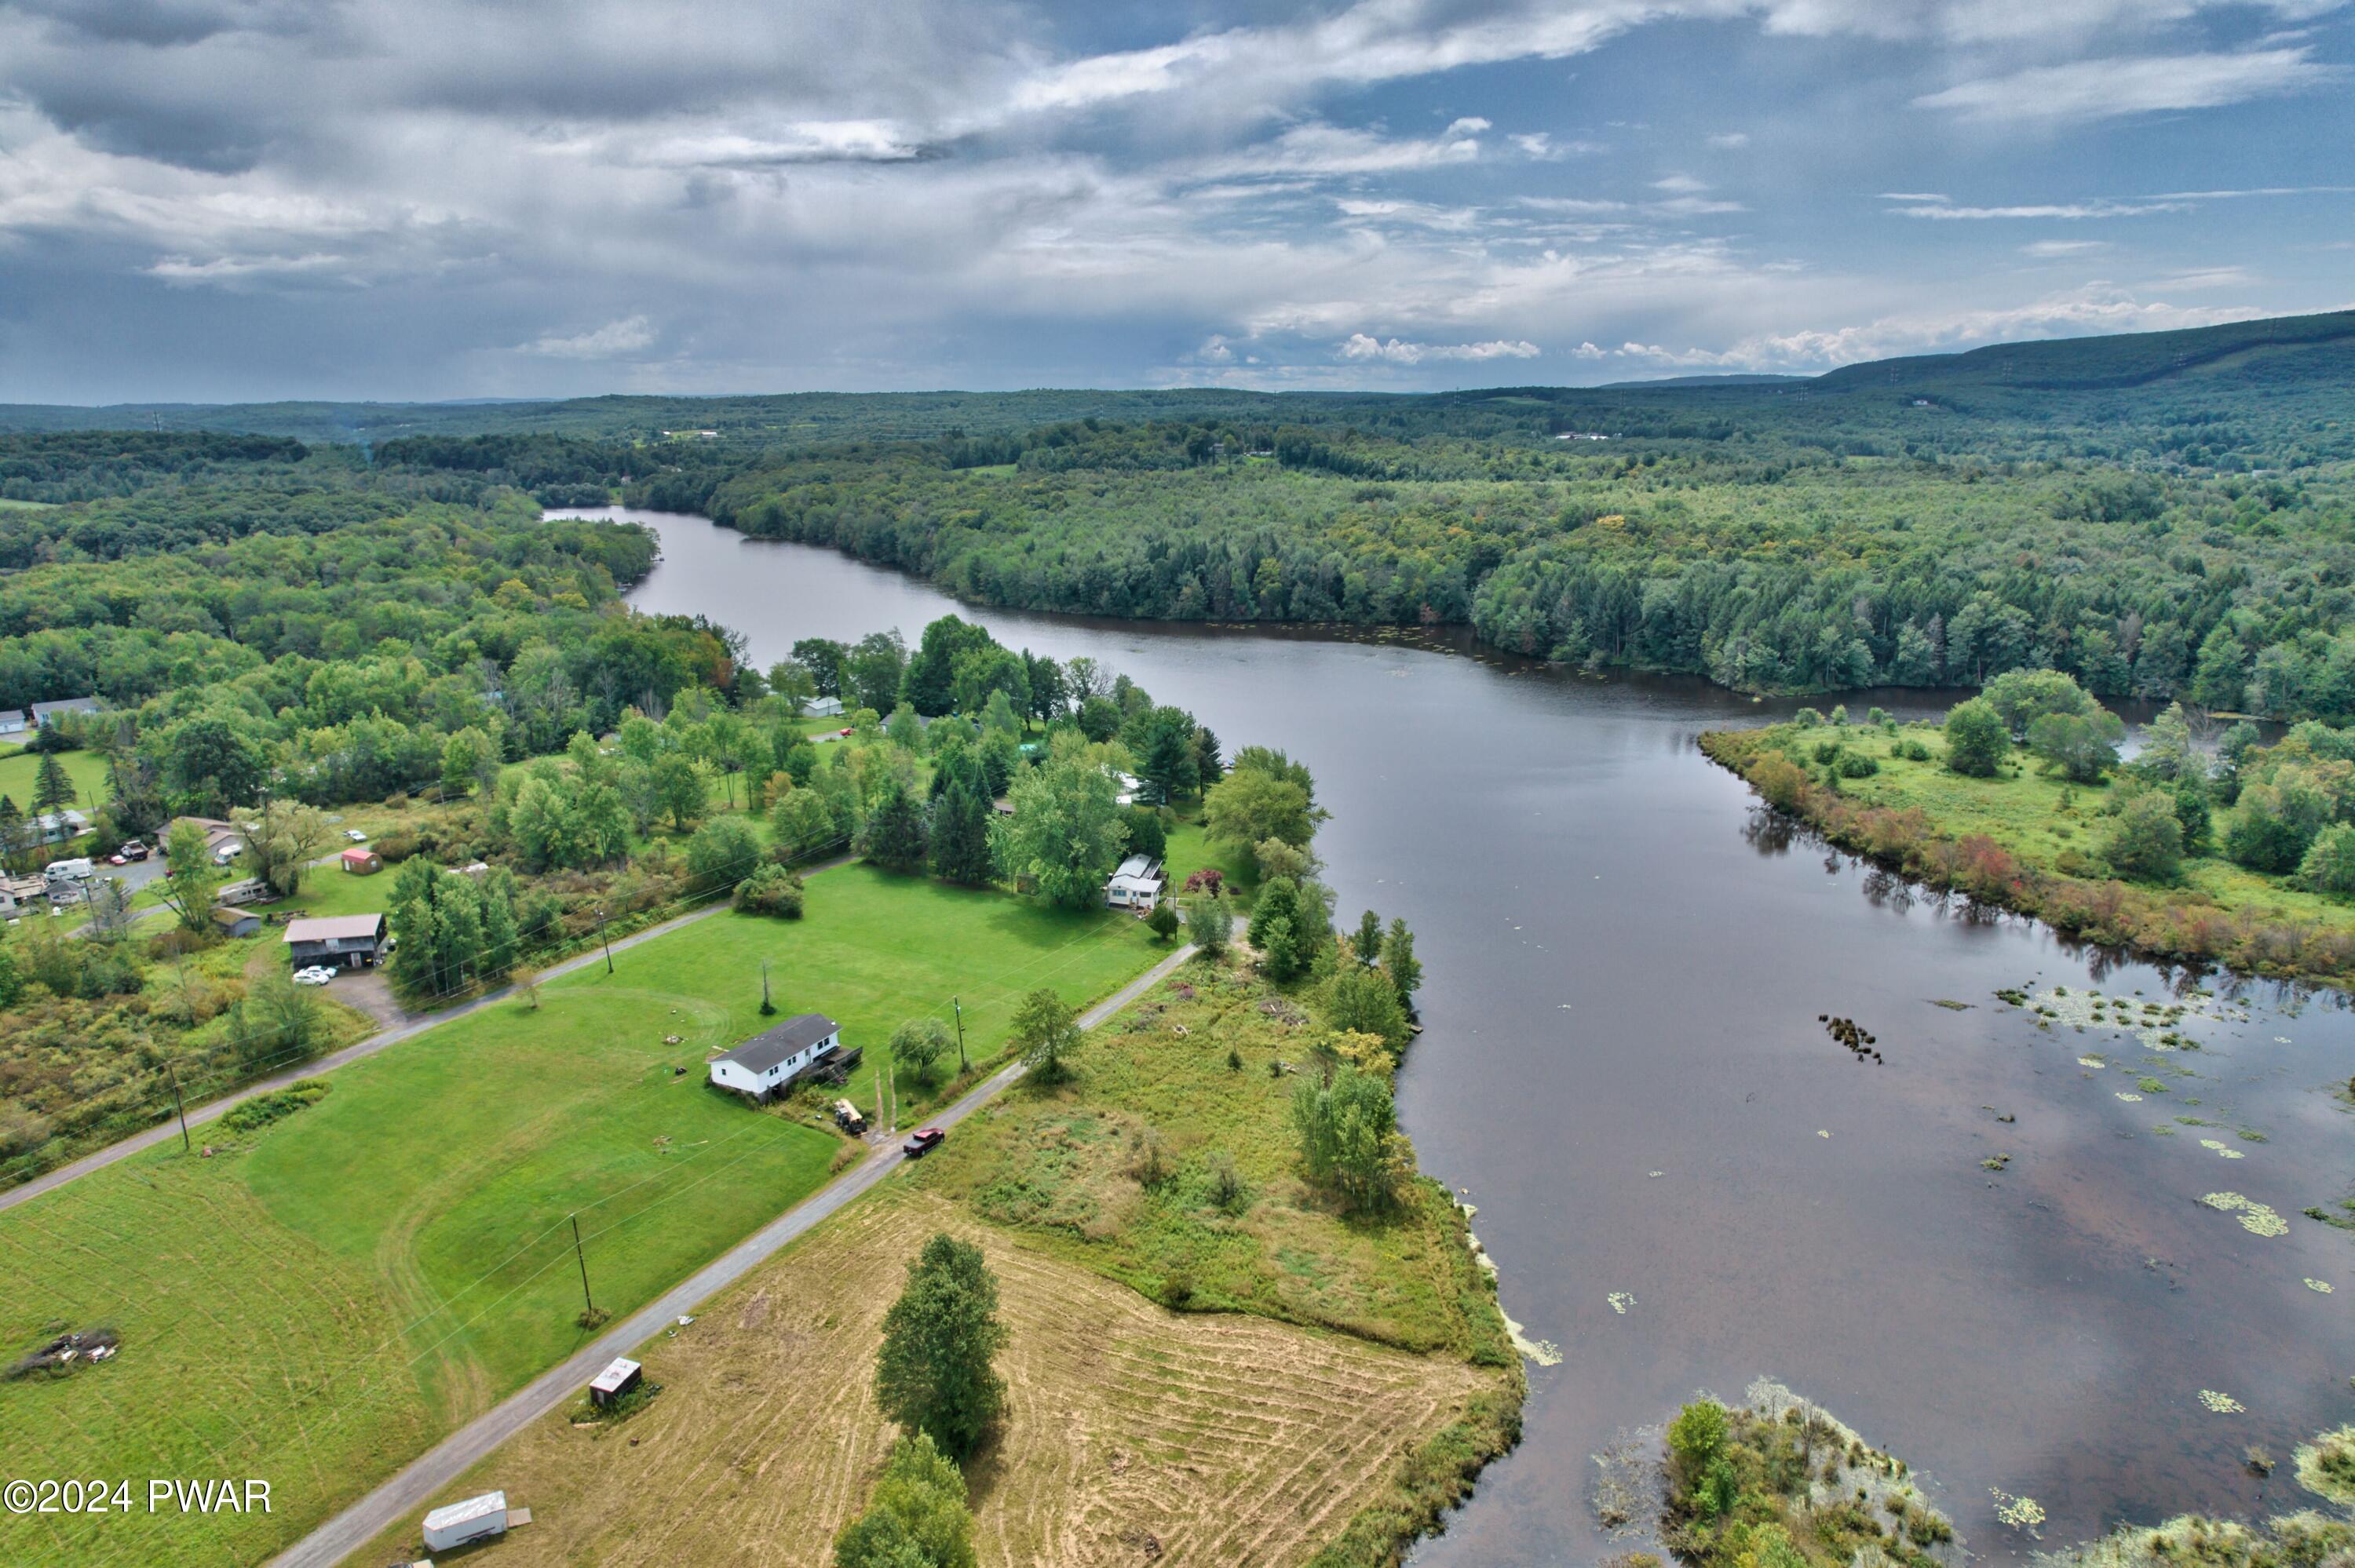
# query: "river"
{"type": "Point", "coordinates": [1623, 1068]}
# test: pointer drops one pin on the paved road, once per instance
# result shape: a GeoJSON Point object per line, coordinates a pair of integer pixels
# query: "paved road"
{"type": "Point", "coordinates": [411, 1489]}
{"type": "Point", "coordinates": [328, 1063]}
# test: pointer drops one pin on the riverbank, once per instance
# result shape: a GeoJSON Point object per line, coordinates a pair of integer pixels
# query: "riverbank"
{"type": "Point", "coordinates": [2028, 843]}
{"type": "Point", "coordinates": [1776, 1478]}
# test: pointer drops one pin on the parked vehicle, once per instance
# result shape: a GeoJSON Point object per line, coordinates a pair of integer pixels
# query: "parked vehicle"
{"type": "Point", "coordinates": [356, 836]}
{"type": "Point", "coordinates": [317, 974]}
{"type": "Point", "coordinates": [846, 1117]}
{"type": "Point", "coordinates": [922, 1141]}
{"type": "Point", "coordinates": [75, 870]}
{"type": "Point", "coordinates": [118, 858]}
{"type": "Point", "coordinates": [135, 849]}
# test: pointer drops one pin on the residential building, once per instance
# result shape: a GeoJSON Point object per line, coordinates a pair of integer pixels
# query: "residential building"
{"type": "Point", "coordinates": [343, 941]}
{"type": "Point", "coordinates": [771, 1059]}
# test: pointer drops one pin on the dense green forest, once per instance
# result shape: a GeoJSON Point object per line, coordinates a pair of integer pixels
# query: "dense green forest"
{"type": "Point", "coordinates": [2164, 516]}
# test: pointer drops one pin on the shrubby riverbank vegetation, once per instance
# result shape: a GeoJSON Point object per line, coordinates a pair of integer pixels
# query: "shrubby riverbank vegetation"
{"type": "Point", "coordinates": [2209, 846]}
{"type": "Point", "coordinates": [1776, 1481]}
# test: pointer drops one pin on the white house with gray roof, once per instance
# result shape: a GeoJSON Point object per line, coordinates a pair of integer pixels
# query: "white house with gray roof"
{"type": "Point", "coordinates": [775, 1057]}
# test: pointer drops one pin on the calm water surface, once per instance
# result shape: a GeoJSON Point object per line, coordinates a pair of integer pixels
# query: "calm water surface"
{"type": "Point", "coordinates": [1623, 1070]}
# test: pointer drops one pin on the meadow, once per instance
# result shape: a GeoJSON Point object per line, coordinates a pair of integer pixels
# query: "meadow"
{"type": "Point", "coordinates": [316, 1300]}
{"type": "Point", "coordinates": [1236, 1374]}
{"type": "Point", "coordinates": [2032, 842]}
{"type": "Point", "coordinates": [1128, 1423]}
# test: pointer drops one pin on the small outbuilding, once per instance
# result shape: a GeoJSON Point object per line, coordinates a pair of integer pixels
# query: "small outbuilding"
{"type": "Point", "coordinates": [361, 860]}
{"type": "Point", "coordinates": [775, 1057]}
{"type": "Point", "coordinates": [231, 922]}
{"type": "Point", "coordinates": [824, 707]}
{"type": "Point", "coordinates": [610, 1386]}
{"type": "Point", "coordinates": [339, 941]}
{"type": "Point", "coordinates": [476, 1518]}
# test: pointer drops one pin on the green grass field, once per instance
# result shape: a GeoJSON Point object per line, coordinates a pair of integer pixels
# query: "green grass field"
{"type": "Point", "coordinates": [2038, 819]}
{"type": "Point", "coordinates": [317, 1301]}
{"type": "Point", "coordinates": [86, 768]}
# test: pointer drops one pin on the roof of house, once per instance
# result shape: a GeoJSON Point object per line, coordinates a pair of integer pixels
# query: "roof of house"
{"type": "Point", "coordinates": [1139, 865]}
{"type": "Point", "coordinates": [66, 706]}
{"type": "Point", "coordinates": [68, 817]}
{"type": "Point", "coordinates": [770, 1046]}
{"type": "Point", "coordinates": [358, 852]}
{"type": "Point", "coordinates": [224, 916]}
{"type": "Point", "coordinates": [15, 716]}
{"type": "Point", "coordinates": [333, 928]}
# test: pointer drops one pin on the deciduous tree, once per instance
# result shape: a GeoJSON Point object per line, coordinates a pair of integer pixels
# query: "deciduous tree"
{"type": "Point", "coordinates": [934, 1374]}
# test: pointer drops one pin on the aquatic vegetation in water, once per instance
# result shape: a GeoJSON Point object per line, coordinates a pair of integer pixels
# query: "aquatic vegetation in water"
{"type": "Point", "coordinates": [2326, 1466]}
{"type": "Point", "coordinates": [2321, 1285]}
{"type": "Point", "coordinates": [2222, 1148]}
{"type": "Point", "coordinates": [2094, 1062]}
{"type": "Point", "coordinates": [1620, 1302]}
{"type": "Point", "coordinates": [2150, 1085]}
{"type": "Point", "coordinates": [2158, 1028]}
{"type": "Point", "coordinates": [2132, 1099]}
{"type": "Point", "coordinates": [2257, 1218]}
{"type": "Point", "coordinates": [1545, 1353]}
{"type": "Point", "coordinates": [2221, 1404]}
{"type": "Point", "coordinates": [1995, 1162]}
{"type": "Point", "coordinates": [2021, 1513]}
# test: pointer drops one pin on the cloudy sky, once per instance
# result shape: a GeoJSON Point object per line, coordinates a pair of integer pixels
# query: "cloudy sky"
{"type": "Point", "coordinates": [232, 199]}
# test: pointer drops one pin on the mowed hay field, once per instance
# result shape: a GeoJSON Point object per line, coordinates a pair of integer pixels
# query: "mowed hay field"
{"type": "Point", "coordinates": [323, 1297]}
{"type": "Point", "coordinates": [1133, 1433]}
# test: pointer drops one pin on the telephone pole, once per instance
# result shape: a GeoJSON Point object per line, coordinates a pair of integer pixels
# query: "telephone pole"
{"type": "Point", "coordinates": [961, 1062]}
{"type": "Point", "coordinates": [605, 939]}
{"type": "Point", "coordinates": [178, 1104]}
{"type": "Point", "coordinates": [588, 1307]}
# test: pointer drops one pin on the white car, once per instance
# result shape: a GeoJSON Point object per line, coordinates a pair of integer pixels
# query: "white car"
{"type": "Point", "coordinates": [356, 836]}
{"type": "Point", "coordinates": [317, 974]}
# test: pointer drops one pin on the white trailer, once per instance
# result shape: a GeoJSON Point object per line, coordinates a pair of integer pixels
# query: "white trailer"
{"type": "Point", "coordinates": [476, 1518]}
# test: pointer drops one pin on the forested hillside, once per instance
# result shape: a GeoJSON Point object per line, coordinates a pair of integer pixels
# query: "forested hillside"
{"type": "Point", "coordinates": [2163, 517]}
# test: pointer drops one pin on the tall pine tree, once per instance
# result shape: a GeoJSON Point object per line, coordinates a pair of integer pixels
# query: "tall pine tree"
{"type": "Point", "coordinates": [961, 836]}
{"type": "Point", "coordinates": [895, 831]}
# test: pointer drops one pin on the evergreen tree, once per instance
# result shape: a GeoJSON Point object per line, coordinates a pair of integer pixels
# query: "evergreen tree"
{"type": "Point", "coordinates": [53, 789]}
{"type": "Point", "coordinates": [895, 836]}
{"type": "Point", "coordinates": [1367, 941]}
{"type": "Point", "coordinates": [1279, 899]}
{"type": "Point", "coordinates": [961, 836]}
{"type": "Point", "coordinates": [1405, 968]}
{"type": "Point", "coordinates": [933, 1373]}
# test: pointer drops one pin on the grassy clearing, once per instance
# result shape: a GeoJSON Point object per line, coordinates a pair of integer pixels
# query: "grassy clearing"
{"type": "Point", "coordinates": [1330, 1389]}
{"type": "Point", "coordinates": [2033, 843]}
{"type": "Point", "coordinates": [21, 769]}
{"type": "Point", "coordinates": [425, 1199]}
{"type": "Point", "coordinates": [1218, 1438]}
{"type": "Point", "coordinates": [1063, 1168]}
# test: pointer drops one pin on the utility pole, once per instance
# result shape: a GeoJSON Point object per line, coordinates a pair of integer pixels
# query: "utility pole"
{"type": "Point", "coordinates": [602, 937]}
{"type": "Point", "coordinates": [178, 1104]}
{"type": "Point", "coordinates": [588, 1307]}
{"type": "Point", "coordinates": [961, 1062]}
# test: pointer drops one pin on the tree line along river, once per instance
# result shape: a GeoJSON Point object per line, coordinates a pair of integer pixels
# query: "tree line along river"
{"type": "Point", "coordinates": [1686, 1182]}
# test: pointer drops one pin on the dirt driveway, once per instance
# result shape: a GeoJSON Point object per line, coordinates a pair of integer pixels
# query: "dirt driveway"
{"type": "Point", "coordinates": [371, 991]}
